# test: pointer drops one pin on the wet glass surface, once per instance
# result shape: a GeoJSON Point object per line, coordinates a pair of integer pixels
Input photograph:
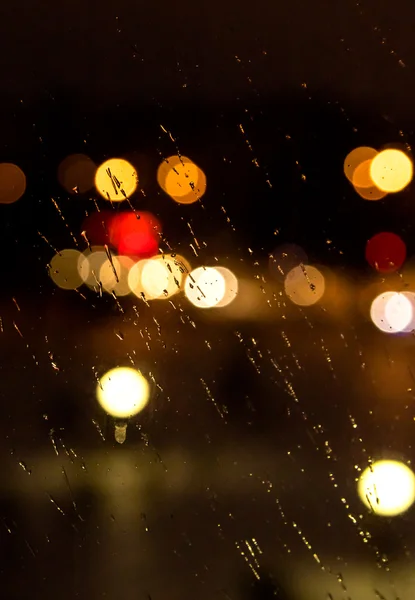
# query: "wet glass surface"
{"type": "Point", "coordinates": [218, 200]}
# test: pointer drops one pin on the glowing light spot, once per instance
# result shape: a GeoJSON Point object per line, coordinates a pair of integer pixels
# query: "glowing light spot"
{"type": "Point", "coordinates": [89, 266]}
{"type": "Point", "coordinates": [361, 175]}
{"type": "Point", "coordinates": [163, 276]}
{"type": "Point", "coordinates": [284, 258]}
{"type": "Point", "coordinates": [391, 170]}
{"type": "Point", "coordinates": [154, 279]}
{"type": "Point", "coordinates": [370, 193]}
{"type": "Point", "coordinates": [385, 252]}
{"type": "Point", "coordinates": [63, 269]}
{"type": "Point", "coordinates": [410, 296]}
{"type": "Point", "coordinates": [135, 233]}
{"type": "Point", "coordinates": [205, 287]}
{"type": "Point", "coordinates": [134, 279]}
{"type": "Point", "coordinates": [231, 287]}
{"type": "Point", "coordinates": [377, 312]}
{"type": "Point", "coordinates": [117, 281]}
{"type": "Point", "coordinates": [398, 312]}
{"type": "Point", "coordinates": [304, 285]}
{"type": "Point", "coordinates": [12, 183]}
{"type": "Point", "coordinates": [76, 173]}
{"type": "Point", "coordinates": [392, 312]}
{"type": "Point", "coordinates": [116, 179]}
{"type": "Point", "coordinates": [123, 392]}
{"type": "Point", "coordinates": [387, 487]}
{"type": "Point", "coordinates": [181, 179]}
{"type": "Point", "coordinates": [355, 158]}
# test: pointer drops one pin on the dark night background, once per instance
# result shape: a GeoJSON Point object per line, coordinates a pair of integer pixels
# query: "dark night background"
{"type": "Point", "coordinates": [194, 503]}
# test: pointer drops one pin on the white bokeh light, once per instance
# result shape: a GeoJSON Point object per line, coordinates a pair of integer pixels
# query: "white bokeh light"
{"type": "Point", "coordinates": [113, 275]}
{"type": "Point", "coordinates": [387, 487]}
{"type": "Point", "coordinates": [155, 279]}
{"type": "Point", "coordinates": [231, 286]}
{"type": "Point", "coordinates": [392, 312]}
{"type": "Point", "coordinates": [398, 312]}
{"type": "Point", "coordinates": [123, 392]}
{"type": "Point", "coordinates": [205, 287]}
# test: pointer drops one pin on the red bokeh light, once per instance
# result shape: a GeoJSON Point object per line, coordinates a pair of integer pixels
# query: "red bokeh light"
{"type": "Point", "coordinates": [386, 252]}
{"type": "Point", "coordinates": [135, 233]}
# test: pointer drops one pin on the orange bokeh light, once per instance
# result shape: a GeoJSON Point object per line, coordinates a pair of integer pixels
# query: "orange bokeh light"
{"type": "Point", "coordinates": [355, 158]}
{"type": "Point", "coordinates": [116, 179]}
{"type": "Point", "coordinates": [12, 183]}
{"type": "Point", "coordinates": [181, 179]}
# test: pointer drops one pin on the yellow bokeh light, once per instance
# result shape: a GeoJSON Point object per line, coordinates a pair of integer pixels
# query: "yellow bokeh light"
{"type": "Point", "coordinates": [391, 170]}
{"type": "Point", "coordinates": [134, 279]}
{"type": "Point", "coordinates": [123, 392]}
{"type": "Point", "coordinates": [113, 275]}
{"type": "Point", "coordinates": [181, 179]}
{"type": "Point", "coordinates": [154, 278]}
{"type": "Point", "coordinates": [63, 269]}
{"type": "Point", "coordinates": [387, 487]}
{"type": "Point", "coordinates": [304, 285]}
{"type": "Point", "coordinates": [205, 287]}
{"type": "Point", "coordinates": [89, 265]}
{"type": "Point", "coordinates": [116, 179]}
{"type": "Point", "coordinates": [12, 183]}
{"type": "Point", "coordinates": [163, 276]}
{"type": "Point", "coordinates": [355, 158]}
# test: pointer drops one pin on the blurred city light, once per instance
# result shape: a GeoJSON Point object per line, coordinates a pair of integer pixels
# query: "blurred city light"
{"type": "Point", "coordinates": [377, 312]}
{"type": "Point", "coordinates": [12, 183]}
{"type": "Point", "coordinates": [391, 170]}
{"type": "Point", "coordinates": [370, 193]}
{"type": "Point", "coordinates": [363, 183]}
{"type": "Point", "coordinates": [134, 279]}
{"type": "Point", "coordinates": [387, 487]}
{"type": "Point", "coordinates": [76, 173]}
{"type": "Point", "coordinates": [114, 273]}
{"type": "Point", "coordinates": [63, 269]}
{"type": "Point", "coordinates": [304, 285]}
{"type": "Point", "coordinates": [284, 258]}
{"type": "Point", "coordinates": [116, 179]}
{"type": "Point", "coordinates": [393, 312]}
{"type": "Point", "coordinates": [398, 312]}
{"type": "Point", "coordinates": [385, 252]}
{"type": "Point", "coordinates": [231, 287]}
{"type": "Point", "coordinates": [361, 175]}
{"type": "Point", "coordinates": [163, 276]}
{"type": "Point", "coordinates": [135, 233]}
{"type": "Point", "coordinates": [89, 265]}
{"type": "Point", "coordinates": [205, 287]}
{"type": "Point", "coordinates": [181, 179]}
{"type": "Point", "coordinates": [123, 392]}
{"type": "Point", "coordinates": [355, 158]}
{"type": "Point", "coordinates": [410, 296]}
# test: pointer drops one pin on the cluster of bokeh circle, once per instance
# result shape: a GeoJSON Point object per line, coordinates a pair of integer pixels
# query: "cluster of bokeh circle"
{"type": "Point", "coordinates": [123, 257]}
{"type": "Point", "coordinates": [375, 174]}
